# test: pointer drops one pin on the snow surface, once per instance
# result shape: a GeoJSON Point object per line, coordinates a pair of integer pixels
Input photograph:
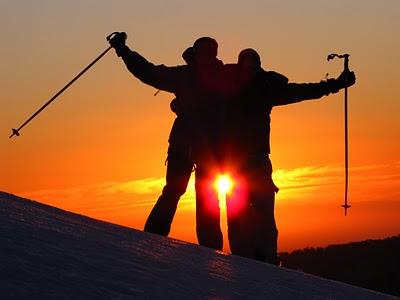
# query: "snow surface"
{"type": "Point", "coordinates": [47, 253]}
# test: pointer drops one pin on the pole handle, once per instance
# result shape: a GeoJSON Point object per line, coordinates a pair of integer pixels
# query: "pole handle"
{"type": "Point", "coordinates": [345, 56]}
{"type": "Point", "coordinates": [112, 35]}
{"type": "Point", "coordinates": [346, 62]}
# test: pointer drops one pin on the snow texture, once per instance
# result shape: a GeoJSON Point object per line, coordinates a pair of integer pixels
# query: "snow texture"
{"type": "Point", "coordinates": [48, 253]}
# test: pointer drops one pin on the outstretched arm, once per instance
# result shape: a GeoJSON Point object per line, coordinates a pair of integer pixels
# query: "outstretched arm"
{"type": "Point", "coordinates": [161, 77]}
{"type": "Point", "coordinates": [297, 92]}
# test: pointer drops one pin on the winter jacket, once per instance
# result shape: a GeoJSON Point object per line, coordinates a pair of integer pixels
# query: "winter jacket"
{"type": "Point", "coordinates": [200, 95]}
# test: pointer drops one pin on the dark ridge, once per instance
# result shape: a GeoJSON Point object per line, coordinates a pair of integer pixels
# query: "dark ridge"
{"type": "Point", "coordinates": [373, 264]}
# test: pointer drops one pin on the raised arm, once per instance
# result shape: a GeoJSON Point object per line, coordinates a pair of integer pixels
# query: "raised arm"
{"type": "Point", "coordinates": [158, 76]}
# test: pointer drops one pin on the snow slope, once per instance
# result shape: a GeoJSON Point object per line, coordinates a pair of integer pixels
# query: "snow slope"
{"type": "Point", "coordinates": [47, 253]}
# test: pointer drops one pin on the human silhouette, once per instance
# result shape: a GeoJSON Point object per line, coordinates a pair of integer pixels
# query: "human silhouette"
{"type": "Point", "coordinates": [223, 122]}
{"type": "Point", "coordinates": [198, 88]}
{"type": "Point", "coordinates": [252, 230]}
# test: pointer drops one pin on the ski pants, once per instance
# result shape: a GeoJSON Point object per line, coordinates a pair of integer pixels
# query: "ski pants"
{"type": "Point", "coordinates": [252, 230]}
{"type": "Point", "coordinates": [208, 228]}
{"type": "Point", "coordinates": [179, 169]}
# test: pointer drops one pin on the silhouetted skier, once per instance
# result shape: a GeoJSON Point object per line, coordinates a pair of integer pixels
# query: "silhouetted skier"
{"type": "Point", "coordinates": [198, 88]}
{"type": "Point", "coordinates": [252, 230]}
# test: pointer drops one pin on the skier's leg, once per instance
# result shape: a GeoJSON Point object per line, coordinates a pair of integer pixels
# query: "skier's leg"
{"type": "Point", "coordinates": [264, 232]}
{"type": "Point", "coordinates": [179, 169]}
{"type": "Point", "coordinates": [238, 233]}
{"type": "Point", "coordinates": [237, 209]}
{"type": "Point", "coordinates": [208, 229]}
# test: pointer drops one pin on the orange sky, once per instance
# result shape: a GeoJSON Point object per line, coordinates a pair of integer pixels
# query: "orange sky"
{"type": "Point", "coordinates": [100, 148]}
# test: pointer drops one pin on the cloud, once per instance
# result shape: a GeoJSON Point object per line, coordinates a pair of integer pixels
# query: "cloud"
{"type": "Point", "coordinates": [320, 176]}
{"type": "Point", "coordinates": [142, 186]}
{"type": "Point", "coordinates": [138, 193]}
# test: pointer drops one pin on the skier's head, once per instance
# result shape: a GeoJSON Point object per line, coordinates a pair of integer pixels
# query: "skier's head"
{"type": "Point", "coordinates": [249, 57]}
{"type": "Point", "coordinates": [249, 63]}
{"type": "Point", "coordinates": [205, 50]}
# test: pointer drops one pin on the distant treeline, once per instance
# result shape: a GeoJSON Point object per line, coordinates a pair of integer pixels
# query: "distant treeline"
{"type": "Point", "coordinates": [373, 264]}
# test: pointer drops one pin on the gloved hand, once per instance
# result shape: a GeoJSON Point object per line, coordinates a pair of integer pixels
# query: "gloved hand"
{"type": "Point", "coordinates": [345, 79]}
{"type": "Point", "coordinates": [117, 41]}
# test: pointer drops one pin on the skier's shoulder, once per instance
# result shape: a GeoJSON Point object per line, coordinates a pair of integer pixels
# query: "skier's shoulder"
{"type": "Point", "coordinates": [274, 77]}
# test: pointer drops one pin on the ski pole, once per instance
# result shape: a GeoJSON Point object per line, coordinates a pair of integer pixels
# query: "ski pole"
{"type": "Point", "coordinates": [16, 131]}
{"type": "Point", "coordinates": [346, 129]}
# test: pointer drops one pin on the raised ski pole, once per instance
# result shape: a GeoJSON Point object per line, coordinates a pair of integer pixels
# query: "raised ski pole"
{"type": "Point", "coordinates": [346, 131]}
{"type": "Point", "coordinates": [16, 131]}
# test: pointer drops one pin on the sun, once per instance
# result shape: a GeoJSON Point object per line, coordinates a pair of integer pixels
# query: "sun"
{"type": "Point", "coordinates": [223, 184]}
